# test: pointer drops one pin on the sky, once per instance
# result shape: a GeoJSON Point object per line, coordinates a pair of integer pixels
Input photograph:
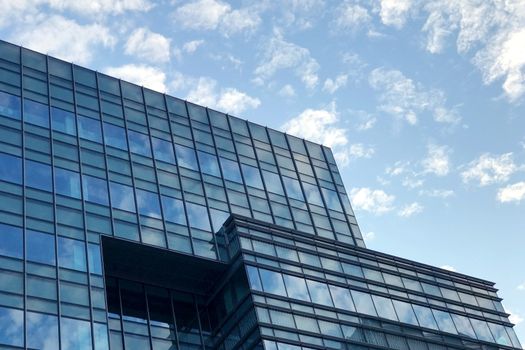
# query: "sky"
{"type": "Point", "coordinates": [422, 102]}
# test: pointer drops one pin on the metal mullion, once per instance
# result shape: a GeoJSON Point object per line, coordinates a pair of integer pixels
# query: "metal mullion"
{"type": "Point", "coordinates": [173, 316]}
{"type": "Point", "coordinates": [147, 315]}
{"type": "Point", "coordinates": [121, 318]}
{"type": "Point", "coordinates": [196, 307]}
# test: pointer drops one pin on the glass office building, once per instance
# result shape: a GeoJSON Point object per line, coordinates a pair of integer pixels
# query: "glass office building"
{"type": "Point", "coordinates": [134, 220]}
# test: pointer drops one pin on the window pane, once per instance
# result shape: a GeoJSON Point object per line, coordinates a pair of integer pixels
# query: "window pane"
{"type": "Point", "coordinates": [36, 113]}
{"type": "Point", "coordinates": [342, 298]}
{"type": "Point", "coordinates": [122, 197]}
{"type": "Point", "coordinates": [209, 164]}
{"type": "Point", "coordinates": [499, 334]}
{"type": "Point", "coordinates": [75, 334]}
{"type": "Point", "coordinates": [11, 327]}
{"type": "Point", "coordinates": [252, 176]}
{"type": "Point", "coordinates": [71, 254]}
{"type": "Point", "coordinates": [273, 182]}
{"type": "Point", "coordinates": [139, 143]}
{"type": "Point", "coordinates": [405, 312]}
{"type": "Point", "coordinates": [63, 121]}
{"type": "Point", "coordinates": [425, 317]}
{"type": "Point", "coordinates": [330, 328]}
{"type": "Point", "coordinates": [272, 282]}
{"type": "Point", "coordinates": [253, 277]}
{"type": "Point", "coordinates": [444, 321]}
{"type": "Point", "coordinates": [319, 293]}
{"type": "Point", "coordinates": [363, 303]}
{"type": "Point", "coordinates": [173, 210]}
{"type": "Point", "coordinates": [115, 136]}
{"type": "Point", "coordinates": [163, 150]}
{"type": "Point", "coordinates": [482, 330]}
{"type": "Point", "coordinates": [384, 307]}
{"type": "Point", "coordinates": [331, 199]}
{"type": "Point", "coordinates": [293, 188]}
{"type": "Point", "coordinates": [10, 105]}
{"type": "Point", "coordinates": [230, 170]}
{"type": "Point", "coordinates": [10, 168]}
{"type": "Point", "coordinates": [186, 157]}
{"type": "Point", "coordinates": [11, 241]}
{"type": "Point", "coordinates": [95, 190]}
{"type": "Point", "coordinates": [94, 259]}
{"type": "Point", "coordinates": [38, 175]}
{"type": "Point", "coordinates": [40, 247]}
{"type": "Point", "coordinates": [42, 331]}
{"type": "Point", "coordinates": [148, 203]}
{"type": "Point", "coordinates": [198, 216]}
{"type": "Point", "coordinates": [296, 288]}
{"type": "Point", "coordinates": [67, 183]}
{"type": "Point", "coordinates": [89, 129]}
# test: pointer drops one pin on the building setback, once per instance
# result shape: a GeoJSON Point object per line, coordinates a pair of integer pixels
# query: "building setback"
{"type": "Point", "coordinates": [134, 220]}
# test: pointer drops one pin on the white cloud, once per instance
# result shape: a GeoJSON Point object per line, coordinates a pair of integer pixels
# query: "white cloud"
{"type": "Point", "coordinates": [101, 7]}
{"type": "Point", "coordinates": [398, 168]}
{"type": "Point", "coordinates": [521, 286]}
{"type": "Point", "coordinates": [280, 54]}
{"type": "Point", "coordinates": [355, 151]}
{"type": "Point", "coordinates": [374, 201]}
{"type": "Point", "coordinates": [148, 46]}
{"type": "Point", "coordinates": [63, 38]}
{"type": "Point", "coordinates": [367, 124]}
{"type": "Point", "coordinates": [147, 76]}
{"type": "Point", "coordinates": [369, 236]}
{"type": "Point", "coordinates": [229, 100]}
{"type": "Point", "coordinates": [405, 99]}
{"type": "Point", "coordinates": [410, 209]}
{"type": "Point", "coordinates": [192, 46]}
{"type": "Point", "coordinates": [287, 91]}
{"type": "Point", "coordinates": [437, 161]}
{"type": "Point", "coordinates": [412, 182]}
{"type": "Point", "coordinates": [489, 169]}
{"type": "Point", "coordinates": [449, 268]}
{"type": "Point", "coordinates": [300, 14]}
{"type": "Point", "coordinates": [350, 16]}
{"type": "Point", "coordinates": [437, 193]}
{"type": "Point", "coordinates": [512, 193]}
{"type": "Point", "coordinates": [394, 12]}
{"type": "Point", "coordinates": [332, 86]}
{"type": "Point", "coordinates": [514, 317]}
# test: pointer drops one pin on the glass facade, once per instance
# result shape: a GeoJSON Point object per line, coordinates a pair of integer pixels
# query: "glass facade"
{"type": "Point", "coordinates": [113, 203]}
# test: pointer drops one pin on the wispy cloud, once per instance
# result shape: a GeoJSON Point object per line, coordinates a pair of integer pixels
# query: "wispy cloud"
{"type": "Point", "coordinates": [332, 85]}
{"type": "Point", "coordinates": [489, 169]}
{"type": "Point", "coordinates": [410, 210]}
{"type": "Point", "coordinates": [437, 161]}
{"type": "Point", "coordinates": [351, 16]}
{"type": "Point", "coordinates": [512, 193]}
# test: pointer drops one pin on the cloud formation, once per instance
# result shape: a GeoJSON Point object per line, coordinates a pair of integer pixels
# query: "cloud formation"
{"type": "Point", "coordinates": [489, 169]}
{"type": "Point", "coordinates": [148, 46]}
{"type": "Point", "coordinates": [410, 210]}
{"type": "Point", "coordinates": [147, 76]}
{"type": "Point", "coordinates": [437, 161]}
{"type": "Point", "coordinates": [512, 193]}
{"type": "Point", "coordinates": [374, 201]}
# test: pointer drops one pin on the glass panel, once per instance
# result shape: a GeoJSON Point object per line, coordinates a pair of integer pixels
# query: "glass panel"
{"type": "Point", "coordinates": [444, 321]}
{"type": "Point", "coordinates": [293, 188]}
{"type": "Point", "coordinates": [101, 336]}
{"type": "Point", "coordinates": [186, 157]}
{"type": "Point", "coordinates": [425, 317]}
{"type": "Point", "coordinates": [273, 182]}
{"type": "Point", "coordinates": [11, 241]}
{"type": "Point", "coordinates": [40, 247]}
{"type": "Point", "coordinates": [384, 307]}
{"type": "Point", "coordinates": [75, 334]}
{"type": "Point", "coordinates": [198, 216]}
{"type": "Point", "coordinates": [89, 129]}
{"type": "Point", "coordinates": [10, 168]}
{"type": "Point", "coordinates": [405, 312]}
{"type": "Point", "coordinates": [10, 105]}
{"type": "Point", "coordinates": [319, 293]}
{"type": "Point", "coordinates": [67, 183]}
{"type": "Point", "coordinates": [163, 150]}
{"type": "Point", "coordinates": [36, 113]}
{"type": "Point", "coordinates": [11, 327]}
{"type": "Point", "coordinates": [353, 333]}
{"type": "Point", "coordinates": [139, 143]}
{"type": "Point", "coordinates": [282, 318]}
{"type": "Point", "coordinates": [209, 164]}
{"type": "Point", "coordinates": [498, 331]}
{"type": "Point", "coordinates": [253, 277]}
{"type": "Point", "coordinates": [463, 325]}
{"type": "Point", "coordinates": [38, 175]}
{"type": "Point", "coordinates": [148, 203]}
{"type": "Point", "coordinates": [133, 301]}
{"type": "Point", "coordinates": [342, 298]}
{"type": "Point", "coordinates": [329, 328]}
{"type": "Point", "coordinates": [482, 330]}
{"type": "Point", "coordinates": [363, 303]}
{"type": "Point", "coordinates": [115, 136]}
{"type": "Point", "coordinates": [230, 170]}
{"type": "Point", "coordinates": [187, 319]}
{"type": "Point", "coordinates": [296, 288]}
{"type": "Point", "coordinates": [272, 282]}
{"type": "Point", "coordinates": [306, 323]}
{"type": "Point", "coordinates": [252, 176]}
{"type": "Point", "coordinates": [122, 197]}
{"type": "Point", "coordinates": [173, 210]}
{"type": "Point", "coordinates": [431, 289]}
{"type": "Point", "coordinates": [94, 259]}
{"type": "Point", "coordinates": [95, 190]}
{"type": "Point", "coordinates": [71, 254]}
{"type": "Point", "coordinates": [331, 199]}
{"type": "Point", "coordinates": [42, 331]}
{"type": "Point", "coordinates": [63, 121]}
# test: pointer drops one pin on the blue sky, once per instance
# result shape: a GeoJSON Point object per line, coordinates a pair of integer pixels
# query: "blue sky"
{"type": "Point", "coordinates": [422, 102]}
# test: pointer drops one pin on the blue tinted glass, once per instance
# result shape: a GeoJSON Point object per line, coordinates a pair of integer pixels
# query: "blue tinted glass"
{"type": "Point", "coordinates": [89, 129]}
{"type": "Point", "coordinates": [67, 183]}
{"type": "Point", "coordinates": [296, 288]}
{"type": "Point", "coordinates": [425, 317]}
{"type": "Point", "coordinates": [10, 168]}
{"type": "Point", "coordinates": [173, 210]}
{"type": "Point", "coordinates": [444, 321]}
{"type": "Point", "coordinates": [122, 197]}
{"type": "Point", "coordinates": [272, 282]}
{"type": "Point", "coordinates": [186, 157]}
{"type": "Point", "coordinates": [218, 218]}
{"type": "Point", "coordinates": [10, 105]}
{"type": "Point", "coordinates": [332, 200]}
{"type": "Point", "coordinates": [139, 143]}
{"type": "Point", "coordinates": [94, 259]}
{"type": "Point", "coordinates": [198, 216]}
{"type": "Point", "coordinates": [11, 327]}
{"type": "Point", "coordinates": [253, 277]}
{"type": "Point", "coordinates": [342, 298]}
{"type": "Point", "coordinates": [101, 336]}
{"type": "Point", "coordinates": [363, 303]}
{"type": "Point", "coordinates": [40, 247]}
{"type": "Point", "coordinates": [71, 254]}
{"type": "Point", "coordinates": [11, 241]}
{"type": "Point", "coordinates": [163, 150]}
{"type": "Point", "coordinates": [252, 176]}
{"type": "Point", "coordinates": [293, 188]}
{"type": "Point", "coordinates": [75, 334]}
{"type": "Point", "coordinates": [63, 121]}
{"type": "Point", "coordinates": [115, 136]}
{"type": "Point", "coordinates": [384, 307]}
{"type": "Point", "coordinates": [209, 164]}
{"type": "Point", "coordinates": [148, 203]}
{"type": "Point", "coordinates": [319, 293]}
{"type": "Point", "coordinates": [463, 325]}
{"type": "Point", "coordinates": [36, 113]}
{"type": "Point", "coordinates": [230, 170]}
{"type": "Point", "coordinates": [405, 312]}
{"type": "Point", "coordinates": [273, 182]}
{"type": "Point", "coordinates": [482, 330]}
{"type": "Point", "coordinates": [38, 175]}
{"type": "Point", "coordinates": [42, 331]}
{"type": "Point", "coordinates": [500, 335]}
{"type": "Point", "coordinates": [95, 190]}
{"type": "Point", "coordinates": [313, 196]}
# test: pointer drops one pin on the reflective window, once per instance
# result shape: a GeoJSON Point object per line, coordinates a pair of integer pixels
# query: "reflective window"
{"type": "Point", "coordinates": [331, 199]}
{"type": "Point", "coordinates": [431, 289]}
{"type": "Point", "coordinates": [230, 170]}
{"type": "Point", "coordinates": [11, 327]}
{"type": "Point", "coordinates": [319, 293]}
{"type": "Point", "coordinates": [405, 312]}
{"type": "Point", "coordinates": [95, 190]}
{"type": "Point", "coordinates": [342, 298]}
{"type": "Point", "coordinates": [482, 330]}
{"type": "Point", "coordinates": [463, 325]}
{"type": "Point", "coordinates": [101, 336]}
{"type": "Point", "coordinates": [425, 317]}
{"type": "Point", "coordinates": [94, 259]}
{"type": "Point", "coordinates": [89, 129]}
{"type": "Point", "coordinates": [75, 334]}
{"type": "Point", "coordinates": [115, 136]}
{"type": "Point", "coordinates": [198, 216]}
{"type": "Point", "coordinates": [306, 323]}
{"type": "Point", "coordinates": [173, 210]}
{"type": "Point", "coordinates": [139, 143]}
{"type": "Point", "coordinates": [209, 164]}
{"type": "Point", "coordinates": [71, 254]}
{"type": "Point", "coordinates": [122, 197]}
{"type": "Point", "coordinates": [10, 105]}
{"type": "Point", "coordinates": [363, 303]}
{"type": "Point", "coordinates": [296, 288]}
{"type": "Point", "coordinates": [38, 175]}
{"type": "Point", "coordinates": [186, 157]}
{"type": "Point", "coordinates": [63, 121]}
{"type": "Point", "coordinates": [42, 331]}
{"type": "Point", "coordinates": [384, 307]}
{"type": "Point", "coordinates": [10, 168]}
{"type": "Point", "coordinates": [313, 196]}
{"type": "Point", "coordinates": [67, 183]}
{"type": "Point", "coordinates": [163, 150]}
{"type": "Point", "coordinates": [40, 247]}
{"type": "Point", "coordinates": [412, 284]}
{"type": "Point", "coordinates": [218, 218]}
{"type": "Point", "coordinates": [330, 328]}
{"type": "Point", "coordinates": [273, 182]}
{"type": "Point", "coordinates": [444, 321]}
{"type": "Point", "coordinates": [253, 277]}
{"type": "Point", "coordinates": [282, 318]}
{"type": "Point", "coordinates": [252, 176]}
{"type": "Point", "coordinates": [353, 270]}
{"type": "Point", "coordinates": [11, 241]}
{"type": "Point", "coordinates": [501, 337]}
{"type": "Point", "coordinates": [148, 203]}
{"type": "Point", "coordinates": [293, 188]}
{"type": "Point", "coordinates": [272, 282]}
{"type": "Point", "coordinates": [36, 113]}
